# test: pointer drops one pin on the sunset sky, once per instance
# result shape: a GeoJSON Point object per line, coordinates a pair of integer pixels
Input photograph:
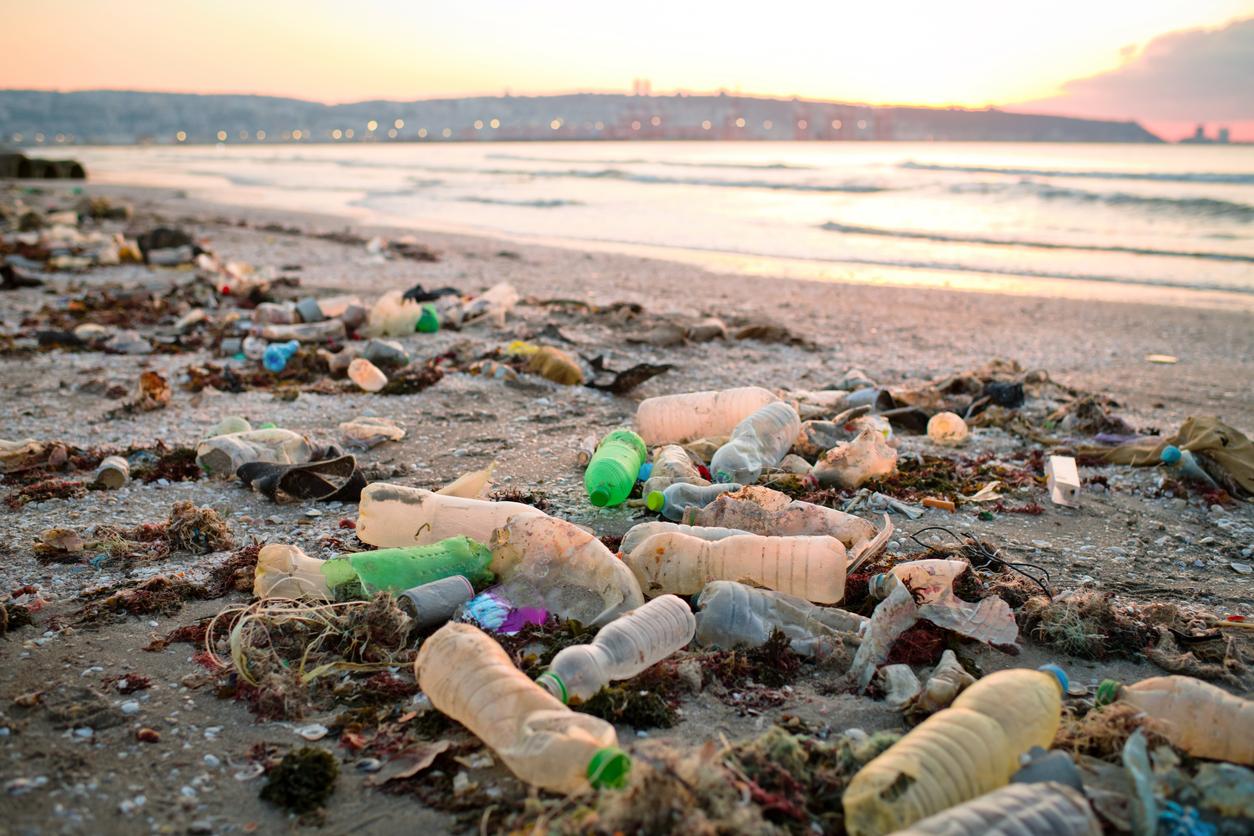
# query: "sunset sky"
{"type": "Point", "coordinates": [1115, 58]}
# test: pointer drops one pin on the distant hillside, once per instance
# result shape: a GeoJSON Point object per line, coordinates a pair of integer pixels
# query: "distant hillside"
{"type": "Point", "coordinates": [123, 117]}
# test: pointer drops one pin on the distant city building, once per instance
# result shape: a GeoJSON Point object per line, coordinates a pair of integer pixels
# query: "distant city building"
{"type": "Point", "coordinates": [1199, 133]}
{"type": "Point", "coordinates": [1223, 136]}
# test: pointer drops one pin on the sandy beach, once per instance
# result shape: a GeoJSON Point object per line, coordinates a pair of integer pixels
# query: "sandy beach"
{"type": "Point", "coordinates": [1127, 537]}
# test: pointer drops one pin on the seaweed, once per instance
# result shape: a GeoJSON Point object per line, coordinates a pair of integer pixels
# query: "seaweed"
{"type": "Point", "coordinates": [647, 701]}
{"type": "Point", "coordinates": [44, 490]}
{"type": "Point", "coordinates": [535, 500]}
{"type": "Point", "coordinates": [303, 780]}
{"type": "Point", "coordinates": [1087, 625]}
{"type": "Point", "coordinates": [534, 646]}
{"type": "Point", "coordinates": [414, 378]}
{"type": "Point", "coordinates": [774, 664]}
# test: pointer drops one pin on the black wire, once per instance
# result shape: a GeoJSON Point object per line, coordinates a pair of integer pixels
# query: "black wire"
{"type": "Point", "coordinates": [981, 551]}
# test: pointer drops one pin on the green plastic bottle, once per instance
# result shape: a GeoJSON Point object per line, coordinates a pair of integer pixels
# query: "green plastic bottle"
{"type": "Point", "coordinates": [612, 472]}
{"type": "Point", "coordinates": [286, 572]}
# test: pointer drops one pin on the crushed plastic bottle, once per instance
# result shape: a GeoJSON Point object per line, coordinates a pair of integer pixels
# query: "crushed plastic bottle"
{"type": "Point", "coordinates": [1202, 719]}
{"type": "Point", "coordinates": [277, 354]}
{"type": "Point", "coordinates": [393, 316]}
{"type": "Point", "coordinates": [494, 303]}
{"type": "Point", "coordinates": [472, 485]}
{"type": "Point", "coordinates": [758, 442]}
{"type": "Point", "coordinates": [394, 515]}
{"type": "Point", "coordinates": [640, 532]}
{"type": "Point", "coordinates": [112, 473]}
{"type": "Point", "coordinates": [947, 429]}
{"type": "Point", "coordinates": [810, 567]}
{"type": "Point", "coordinates": [675, 419]}
{"type": "Point", "coordinates": [285, 571]}
{"type": "Point", "coordinates": [680, 498]}
{"type": "Point", "coordinates": [1185, 465]}
{"type": "Point", "coordinates": [957, 754]}
{"type": "Point", "coordinates": [370, 431]}
{"type": "Point", "coordinates": [434, 603]}
{"type": "Point", "coordinates": [612, 472]}
{"type": "Point", "coordinates": [469, 677]}
{"type": "Point", "coordinates": [1044, 809]}
{"type": "Point", "coordinates": [731, 614]}
{"type": "Point", "coordinates": [222, 455]}
{"type": "Point", "coordinates": [850, 464]}
{"type": "Point", "coordinates": [366, 375]}
{"type": "Point", "coordinates": [943, 685]}
{"type": "Point", "coordinates": [671, 465]}
{"type": "Point", "coordinates": [329, 330]}
{"type": "Point", "coordinates": [546, 562]}
{"type": "Point", "coordinates": [625, 647]}
{"type": "Point", "coordinates": [229, 425]}
{"type": "Point", "coordinates": [760, 510]}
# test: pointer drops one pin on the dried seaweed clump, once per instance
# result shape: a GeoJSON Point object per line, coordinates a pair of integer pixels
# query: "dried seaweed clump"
{"type": "Point", "coordinates": [647, 701]}
{"type": "Point", "coordinates": [774, 664]}
{"type": "Point", "coordinates": [1102, 732]}
{"type": "Point", "coordinates": [1085, 624]}
{"type": "Point", "coordinates": [303, 780]}
{"type": "Point", "coordinates": [197, 530]}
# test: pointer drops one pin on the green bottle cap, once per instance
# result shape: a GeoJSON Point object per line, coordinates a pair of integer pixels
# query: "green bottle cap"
{"type": "Point", "coordinates": [609, 768]}
{"type": "Point", "coordinates": [428, 321]}
{"type": "Point", "coordinates": [1058, 673]}
{"type": "Point", "coordinates": [1107, 692]}
{"type": "Point", "coordinates": [554, 685]}
{"type": "Point", "coordinates": [655, 501]}
{"type": "Point", "coordinates": [268, 425]}
{"type": "Point", "coordinates": [600, 496]}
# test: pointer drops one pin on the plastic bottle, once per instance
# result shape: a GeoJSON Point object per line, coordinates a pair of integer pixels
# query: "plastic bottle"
{"type": "Point", "coordinates": [275, 313]}
{"type": "Point", "coordinates": [671, 465]}
{"type": "Point", "coordinates": [394, 515]}
{"type": "Point", "coordinates": [758, 442]}
{"type": "Point", "coordinates": [436, 602]}
{"type": "Point", "coordinates": [678, 499]}
{"type": "Point", "coordinates": [277, 354]}
{"type": "Point", "coordinates": [1046, 809]}
{"type": "Point", "coordinates": [1202, 719]}
{"type": "Point", "coordinates": [731, 614]}
{"type": "Point", "coordinates": [957, 754]}
{"type": "Point", "coordinates": [640, 532]}
{"type": "Point", "coordinates": [469, 677]}
{"type": "Point", "coordinates": [810, 567]}
{"type": "Point", "coordinates": [287, 572]}
{"type": "Point", "coordinates": [229, 425]}
{"type": "Point", "coordinates": [329, 330]}
{"type": "Point", "coordinates": [612, 472]}
{"type": "Point", "coordinates": [1185, 465]}
{"type": "Point", "coordinates": [760, 510]}
{"type": "Point", "coordinates": [674, 419]}
{"type": "Point", "coordinates": [622, 649]}
{"type": "Point", "coordinates": [222, 455]}
{"type": "Point", "coordinates": [366, 375]}
{"type": "Point", "coordinates": [393, 316]}
{"type": "Point", "coordinates": [112, 473]}
{"type": "Point", "coordinates": [546, 562]}
{"type": "Point", "coordinates": [944, 684]}
{"type": "Point", "coordinates": [850, 464]}
{"type": "Point", "coordinates": [948, 429]}
{"type": "Point", "coordinates": [385, 352]}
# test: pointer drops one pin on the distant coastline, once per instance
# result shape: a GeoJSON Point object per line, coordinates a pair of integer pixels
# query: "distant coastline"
{"type": "Point", "coordinates": [31, 118]}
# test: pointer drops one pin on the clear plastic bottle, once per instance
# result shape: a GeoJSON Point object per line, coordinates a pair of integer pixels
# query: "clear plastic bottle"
{"type": "Point", "coordinates": [394, 515]}
{"type": "Point", "coordinates": [285, 571]}
{"type": "Point", "coordinates": [329, 330]}
{"type": "Point", "coordinates": [366, 375]}
{"type": "Point", "coordinates": [672, 419]}
{"type": "Point", "coordinates": [671, 465]}
{"type": "Point", "coordinates": [546, 562]}
{"type": "Point", "coordinates": [1045, 809]}
{"type": "Point", "coordinates": [957, 754]}
{"type": "Point", "coordinates": [1202, 719]}
{"type": "Point", "coordinates": [679, 498]}
{"type": "Point", "coordinates": [612, 472]}
{"type": "Point", "coordinates": [640, 532]}
{"type": "Point", "coordinates": [944, 684]}
{"type": "Point", "coordinates": [810, 567]}
{"type": "Point", "coordinates": [850, 464]}
{"type": "Point", "coordinates": [222, 455]}
{"type": "Point", "coordinates": [469, 677]}
{"type": "Point", "coordinates": [758, 442]}
{"type": "Point", "coordinates": [731, 614]}
{"type": "Point", "coordinates": [1185, 466]}
{"type": "Point", "coordinates": [622, 649]}
{"type": "Point", "coordinates": [760, 510]}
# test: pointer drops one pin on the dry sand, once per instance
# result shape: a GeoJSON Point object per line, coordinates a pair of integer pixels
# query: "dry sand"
{"type": "Point", "coordinates": [1123, 540]}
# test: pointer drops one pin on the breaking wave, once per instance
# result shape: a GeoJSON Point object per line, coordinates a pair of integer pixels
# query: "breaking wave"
{"type": "Point", "coordinates": [1236, 178]}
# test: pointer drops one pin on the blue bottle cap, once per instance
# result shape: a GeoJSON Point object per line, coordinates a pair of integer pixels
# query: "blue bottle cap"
{"type": "Point", "coordinates": [646, 470]}
{"type": "Point", "coordinates": [1170, 454]}
{"type": "Point", "coordinates": [1063, 682]}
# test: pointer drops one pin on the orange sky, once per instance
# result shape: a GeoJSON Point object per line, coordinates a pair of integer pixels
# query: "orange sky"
{"type": "Point", "coordinates": [973, 53]}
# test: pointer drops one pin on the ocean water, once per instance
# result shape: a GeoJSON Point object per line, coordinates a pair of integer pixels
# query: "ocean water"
{"type": "Point", "coordinates": [1099, 220]}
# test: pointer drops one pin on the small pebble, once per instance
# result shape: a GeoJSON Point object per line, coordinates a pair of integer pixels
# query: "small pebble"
{"type": "Point", "coordinates": [212, 761]}
{"type": "Point", "coordinates": [130, 707]}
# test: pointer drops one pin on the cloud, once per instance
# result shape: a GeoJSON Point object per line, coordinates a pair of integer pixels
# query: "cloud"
{"type": "Point", "coordinates": [1198, 74]}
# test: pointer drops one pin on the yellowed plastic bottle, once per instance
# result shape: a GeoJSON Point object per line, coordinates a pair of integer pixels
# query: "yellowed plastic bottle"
{"type": "Point", "coordinates": [671, 464]}
{"type": "Point", "coordinates": [1202, 719]}
{"type": "Point", "coordinates": [469, 677]}
{"type": "Point", "coordinates": [546, 562]}
{"type": "Point", "coordinates": [1046, 809]}
{"type": "Point", "coordinates": [812, 568]}
{"type": "Point", "coordinates": [391, 516]}
{"type": "Point", "coordinates": [957, 754]}
{"type": "Point", "coordinates": [673, 419]}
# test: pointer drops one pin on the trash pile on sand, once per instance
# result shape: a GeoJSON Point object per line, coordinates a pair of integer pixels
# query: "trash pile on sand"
{"type": "Point", "coordinates": [458, 637]}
